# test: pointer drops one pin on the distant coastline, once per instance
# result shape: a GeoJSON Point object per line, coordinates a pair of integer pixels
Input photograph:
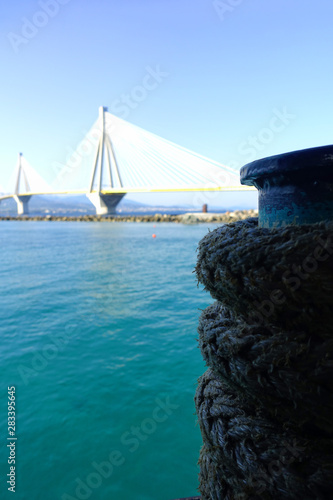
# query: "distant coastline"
{"type": "Point", "coordinates": [187, 218]}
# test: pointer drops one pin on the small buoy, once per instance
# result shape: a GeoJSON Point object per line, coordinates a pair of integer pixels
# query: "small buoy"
{"type": "Point", "coordinates": [154, 235]}
{"type": "Point", "coordinates": [154, 225]}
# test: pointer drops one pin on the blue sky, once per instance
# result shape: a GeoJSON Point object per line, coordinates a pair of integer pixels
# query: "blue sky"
{"type": "Point", "coordinates": [239, 79]}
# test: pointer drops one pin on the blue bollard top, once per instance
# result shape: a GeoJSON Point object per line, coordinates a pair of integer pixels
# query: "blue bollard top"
{"type": "Point", "coordinates": [294, 188]}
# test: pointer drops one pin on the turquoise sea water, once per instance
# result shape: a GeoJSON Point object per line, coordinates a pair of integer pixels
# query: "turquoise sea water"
{"type": "Point", "coordinates": [98, 336]}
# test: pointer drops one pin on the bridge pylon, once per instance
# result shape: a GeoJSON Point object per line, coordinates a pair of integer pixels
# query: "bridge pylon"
{"type": "Point", "coordinates": [105, 203]}
{"type": "Point", "coordinates": [22, 199]}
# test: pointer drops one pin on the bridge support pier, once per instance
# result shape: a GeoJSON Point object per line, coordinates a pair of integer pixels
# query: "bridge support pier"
{"type": "Point", "coordinates": [105, 204]}
{"type": "Point", "coordinates": [22, 204]}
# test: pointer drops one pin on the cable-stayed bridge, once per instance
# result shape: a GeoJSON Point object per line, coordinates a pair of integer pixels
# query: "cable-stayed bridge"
{"type": "Point", "coordinates": [123, 158]}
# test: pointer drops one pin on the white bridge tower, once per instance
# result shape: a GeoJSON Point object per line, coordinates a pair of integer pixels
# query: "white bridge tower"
{"type": "Point", "coordinates": [22, 199]}
{"type": "Point", "coordinates": [105, 203]}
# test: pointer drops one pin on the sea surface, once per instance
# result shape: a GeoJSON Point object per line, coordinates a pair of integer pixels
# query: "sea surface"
{"type": "Point", "coordinates": [98, 337]}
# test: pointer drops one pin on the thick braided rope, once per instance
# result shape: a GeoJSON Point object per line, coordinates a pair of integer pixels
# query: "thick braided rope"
{"type": "Point", "coordinates": [282, 276]}
{"type": "Point", "coordinates": [291, 371]}
{"type": "Point", "coordinates": [270, 346]}
{"type": "Point", "coordinates": [247, 453]}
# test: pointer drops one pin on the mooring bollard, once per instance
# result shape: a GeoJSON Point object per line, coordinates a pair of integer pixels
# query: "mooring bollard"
{"type": "Point", "coordinates": [265, 404]}
{"type": "Point", "coordinates": [294, 188]}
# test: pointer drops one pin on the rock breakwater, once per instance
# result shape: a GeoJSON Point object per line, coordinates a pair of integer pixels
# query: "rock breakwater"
{"type": "Point", "coordinates": [188, 218]}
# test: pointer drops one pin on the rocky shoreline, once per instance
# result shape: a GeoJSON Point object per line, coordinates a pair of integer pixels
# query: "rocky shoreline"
{"type": "Point", "coordinates": [189, 218]}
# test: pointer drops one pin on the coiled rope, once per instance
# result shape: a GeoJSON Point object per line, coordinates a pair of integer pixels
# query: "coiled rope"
{"type": "Point", "coordinates": [265, 405]}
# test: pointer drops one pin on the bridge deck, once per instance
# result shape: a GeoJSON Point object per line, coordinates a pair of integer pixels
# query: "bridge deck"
{"type": "Point", "coordinates": [134, 190]}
